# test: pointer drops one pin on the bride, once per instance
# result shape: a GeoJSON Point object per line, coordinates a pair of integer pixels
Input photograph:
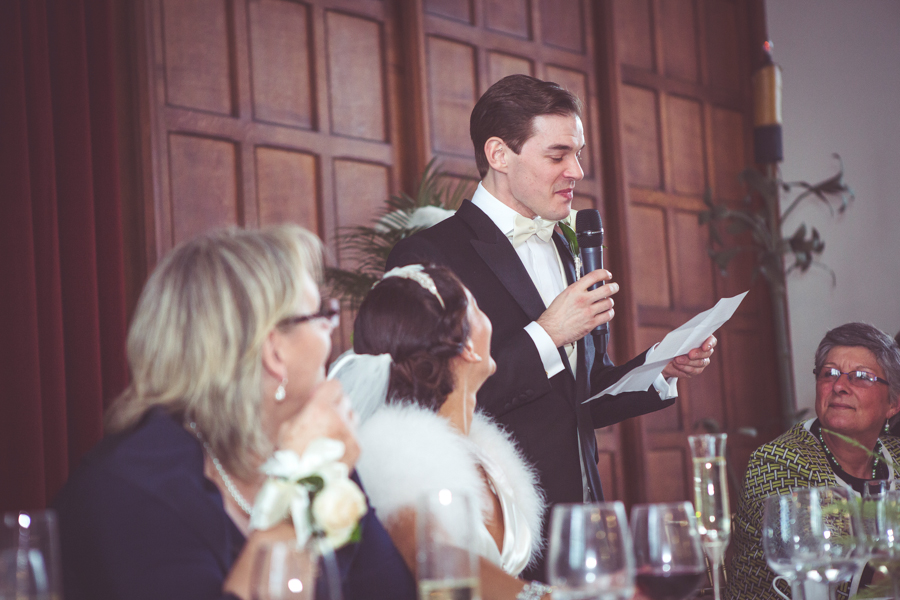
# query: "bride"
{"type": "Point", "coordinates": [420, 431]}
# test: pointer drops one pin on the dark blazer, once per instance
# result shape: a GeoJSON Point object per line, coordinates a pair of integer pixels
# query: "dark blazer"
{"type": "Point", "coordinates": [542, 414]}
{"type": "Point", "coordinates": [139, 520]}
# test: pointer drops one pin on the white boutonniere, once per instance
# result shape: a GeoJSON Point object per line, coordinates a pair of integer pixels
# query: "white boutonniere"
{"type": "Point", "coordinates": [315, 490]}
{"type": "Point", "coordinates": [567, 226]}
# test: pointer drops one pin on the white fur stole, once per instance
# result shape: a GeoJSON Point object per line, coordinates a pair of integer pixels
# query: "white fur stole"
{"type": "Point", "coordinates": [408, 450]}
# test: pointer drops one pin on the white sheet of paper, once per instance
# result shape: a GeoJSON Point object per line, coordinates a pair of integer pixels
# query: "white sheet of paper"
{"type": "Point", "coordinates": [677, 342]}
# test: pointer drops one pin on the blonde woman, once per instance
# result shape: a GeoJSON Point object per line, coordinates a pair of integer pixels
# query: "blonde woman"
{"type": "Point", "coordinates": [227, 351]}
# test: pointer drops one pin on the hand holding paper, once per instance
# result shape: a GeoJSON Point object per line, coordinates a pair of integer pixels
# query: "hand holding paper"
{"type": "Point", "coordinates": [676, 343]}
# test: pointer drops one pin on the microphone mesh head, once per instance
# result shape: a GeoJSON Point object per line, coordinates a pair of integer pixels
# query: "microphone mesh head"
{"type": "Point", "coordinates": [588, 220]}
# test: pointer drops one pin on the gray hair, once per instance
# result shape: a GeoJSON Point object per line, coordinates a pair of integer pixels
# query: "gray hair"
{"type": "Point", "coordinates": [195, 343]}
{"type": "Point", "coordinates": [883, 346]}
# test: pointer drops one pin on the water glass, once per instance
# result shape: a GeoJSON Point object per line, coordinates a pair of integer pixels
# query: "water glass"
{"type": "Point", "coordinates": [283, 571]}
{"type": "Point", "coordinates": [843, 549]}
{"type": "Point", "coordinates": [882, 523]}
{"type": "Point", "coordinates": [29, 556]}
{"type": "Point", "coordinates": [667, 553]}
{"type": "Point", "coordinates": [792, 536]}
{"type": "Point", "coordinates": [446, 544]}
{"type": "Point", "coordinates": [590, 552]}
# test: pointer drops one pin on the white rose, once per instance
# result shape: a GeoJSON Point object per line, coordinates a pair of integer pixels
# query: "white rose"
{"type": "Point", "coordinates": [337, 509]}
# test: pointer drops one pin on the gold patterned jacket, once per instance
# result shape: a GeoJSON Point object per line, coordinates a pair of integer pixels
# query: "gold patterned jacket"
{"type": "Point", "coordinates": [795, 459]}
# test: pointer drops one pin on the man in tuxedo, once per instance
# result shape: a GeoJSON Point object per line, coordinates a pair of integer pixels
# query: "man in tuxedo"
{"type": "Point", "coordinates": [505, 247]}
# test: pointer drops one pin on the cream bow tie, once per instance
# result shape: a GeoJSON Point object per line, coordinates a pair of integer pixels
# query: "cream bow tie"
{"type": "Point", "coordinates": [525, 228]}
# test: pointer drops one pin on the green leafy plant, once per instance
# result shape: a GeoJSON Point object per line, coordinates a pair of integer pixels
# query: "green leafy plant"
{"type": "Point", "coordinates": [755, 226]}
{"type": "Point", "coordinates": [769, 244]}
{"type": "Point", "coordinates": [364, 249]}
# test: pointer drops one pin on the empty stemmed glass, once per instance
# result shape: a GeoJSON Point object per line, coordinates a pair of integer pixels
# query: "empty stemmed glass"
{"type": "Point", "coordinates": [711, 498]}
{"type": "Point", "coordinates": [590, 552]}
{"type": "Point", "coordinates": [667, 553]}
{"type": "Point", "coordinates": [881, 517]}
{"type": "Point", "coordinates": [843, 549]}
{"type": "Point", "coordinates": [792, 536]}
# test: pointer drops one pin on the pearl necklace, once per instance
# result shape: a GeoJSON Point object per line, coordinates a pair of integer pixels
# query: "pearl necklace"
{"type": "Point", "coordinates": [834, 462]}
{"type": "Point", "coordinates": [226, 479]}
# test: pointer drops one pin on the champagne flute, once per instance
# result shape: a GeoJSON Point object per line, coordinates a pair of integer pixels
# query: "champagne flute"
{"type": "Point", "coordinates": [447, 563]}
{"type": "Point", "coordinates": [667, 552]}
{"type": "Point", "coordinates": [283, 571]}
{"type": "Point", "coordinates": [29, 556]}
{"type": "Point", "coordinates": [590, 552]}
{"type": "Point", "coordinates": [711, 498]}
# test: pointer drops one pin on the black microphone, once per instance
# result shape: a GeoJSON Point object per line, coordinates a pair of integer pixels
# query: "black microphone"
{"type": "Point", "coordinates": [589, 229]}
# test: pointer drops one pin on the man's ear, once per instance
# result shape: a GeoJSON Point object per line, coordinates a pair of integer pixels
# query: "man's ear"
{"type": "Point", "coordinates": [495, 150]}
{"type": "Point", "coordinates": [273, 356]}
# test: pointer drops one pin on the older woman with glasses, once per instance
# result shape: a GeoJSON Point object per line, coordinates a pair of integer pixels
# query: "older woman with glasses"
{"type": "Point", "coordinates": [227, 351]}
{"type": "Point", "coordinates": [857, 371]}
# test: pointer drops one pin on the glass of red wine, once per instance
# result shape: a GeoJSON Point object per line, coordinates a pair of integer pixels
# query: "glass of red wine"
{"type": "Point", "coordinates": [668, 556]}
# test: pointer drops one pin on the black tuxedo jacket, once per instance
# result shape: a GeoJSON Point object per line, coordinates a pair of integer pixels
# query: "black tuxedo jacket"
{"type": "Point", "coordinates": [544, 414]}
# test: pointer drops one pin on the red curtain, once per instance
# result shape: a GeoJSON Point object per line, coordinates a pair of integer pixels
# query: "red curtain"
{"type": "Point", "coordinates": [62, 298]}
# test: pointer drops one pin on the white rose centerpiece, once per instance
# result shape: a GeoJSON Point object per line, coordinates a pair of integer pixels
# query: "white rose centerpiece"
{"type": "Point", "coordinates": [315, 490]}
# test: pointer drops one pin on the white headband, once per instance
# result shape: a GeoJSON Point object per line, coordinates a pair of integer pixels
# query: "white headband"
{"type": "Point", "coordinates": [415, 273]}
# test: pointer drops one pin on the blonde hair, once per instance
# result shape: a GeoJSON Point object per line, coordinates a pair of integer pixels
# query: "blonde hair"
{"type": "Point", "coordinates": [195, 343]}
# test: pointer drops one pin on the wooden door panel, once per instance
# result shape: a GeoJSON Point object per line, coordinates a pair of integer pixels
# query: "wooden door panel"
{"type": "Point", "coordinates": [634, 41]}
{"type": "Point", "coordinates": [204, 184]}
{"type": "Point", "coordinates": [684, 119]}
{"type": "Point", "coordinates": [279, 35]}
{"type": "Point", "coordinates": [501, 64]}
{"type": "Point", "coordinates": [197, 48]}
{"type": "Point", "coordinates": [694, 287]}
{"type": "Point", "coordinates": [460, 10]}
{"type": "Point", "coordinates": [728, 153]}
{"type": "Point", "coordinates": [562, 24]}
{"type": "Point", "coordinates": [649, 256]}
{"type": "Point", "coordinates": [355, 62]}
{"type": "Point", "coordinates": [454, 84]}
{"type": "Point", "coordinates": [641, 137]}
{"type": "Point", "coordinates": [724, 44]}
{"type": "Point", "coordinates": [508, 16]}
{"type": "Point", "coordinates": [679, 39]}
{"type": "Point", "coordinates": [287, 188]}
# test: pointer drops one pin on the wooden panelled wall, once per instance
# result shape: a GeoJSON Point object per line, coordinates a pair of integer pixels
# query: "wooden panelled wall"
{"type": "Point", "coordinates": [258, 111]}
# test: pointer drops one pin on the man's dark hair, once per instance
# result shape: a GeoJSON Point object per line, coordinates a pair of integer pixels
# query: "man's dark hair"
{"type": "Point", "coordinates": [508, 108]}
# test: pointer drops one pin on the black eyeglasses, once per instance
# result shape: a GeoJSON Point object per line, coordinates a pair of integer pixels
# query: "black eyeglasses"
{"type": "Point", "coordinates": [330, 313]}
{"type": "Point", "coordinates": [861, 379]}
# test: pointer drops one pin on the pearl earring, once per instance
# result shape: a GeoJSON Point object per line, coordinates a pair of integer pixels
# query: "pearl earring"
{"type": "Point", "coordinates": [279, 392]}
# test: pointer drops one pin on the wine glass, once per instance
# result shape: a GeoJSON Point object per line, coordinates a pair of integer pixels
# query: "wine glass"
{"type": "Point", "coordinates": [29, 556]}
{"type": "Point", "coordinates": [590, 552]}
{"type": "Point", "coordinates": [667, 553]}
{"type": "Point", "coordinates": [843, 549]}
{"type": "Point", "coordinates": [792, 537]}
{"type": "Point", "coordinates": [711, 498]}
{"type": "Point", "coordinates": [446, 556]}
{"type": "Point", "coordinates": [283, 571]}
{"type": "Point", "coordinates": [882, 523]}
